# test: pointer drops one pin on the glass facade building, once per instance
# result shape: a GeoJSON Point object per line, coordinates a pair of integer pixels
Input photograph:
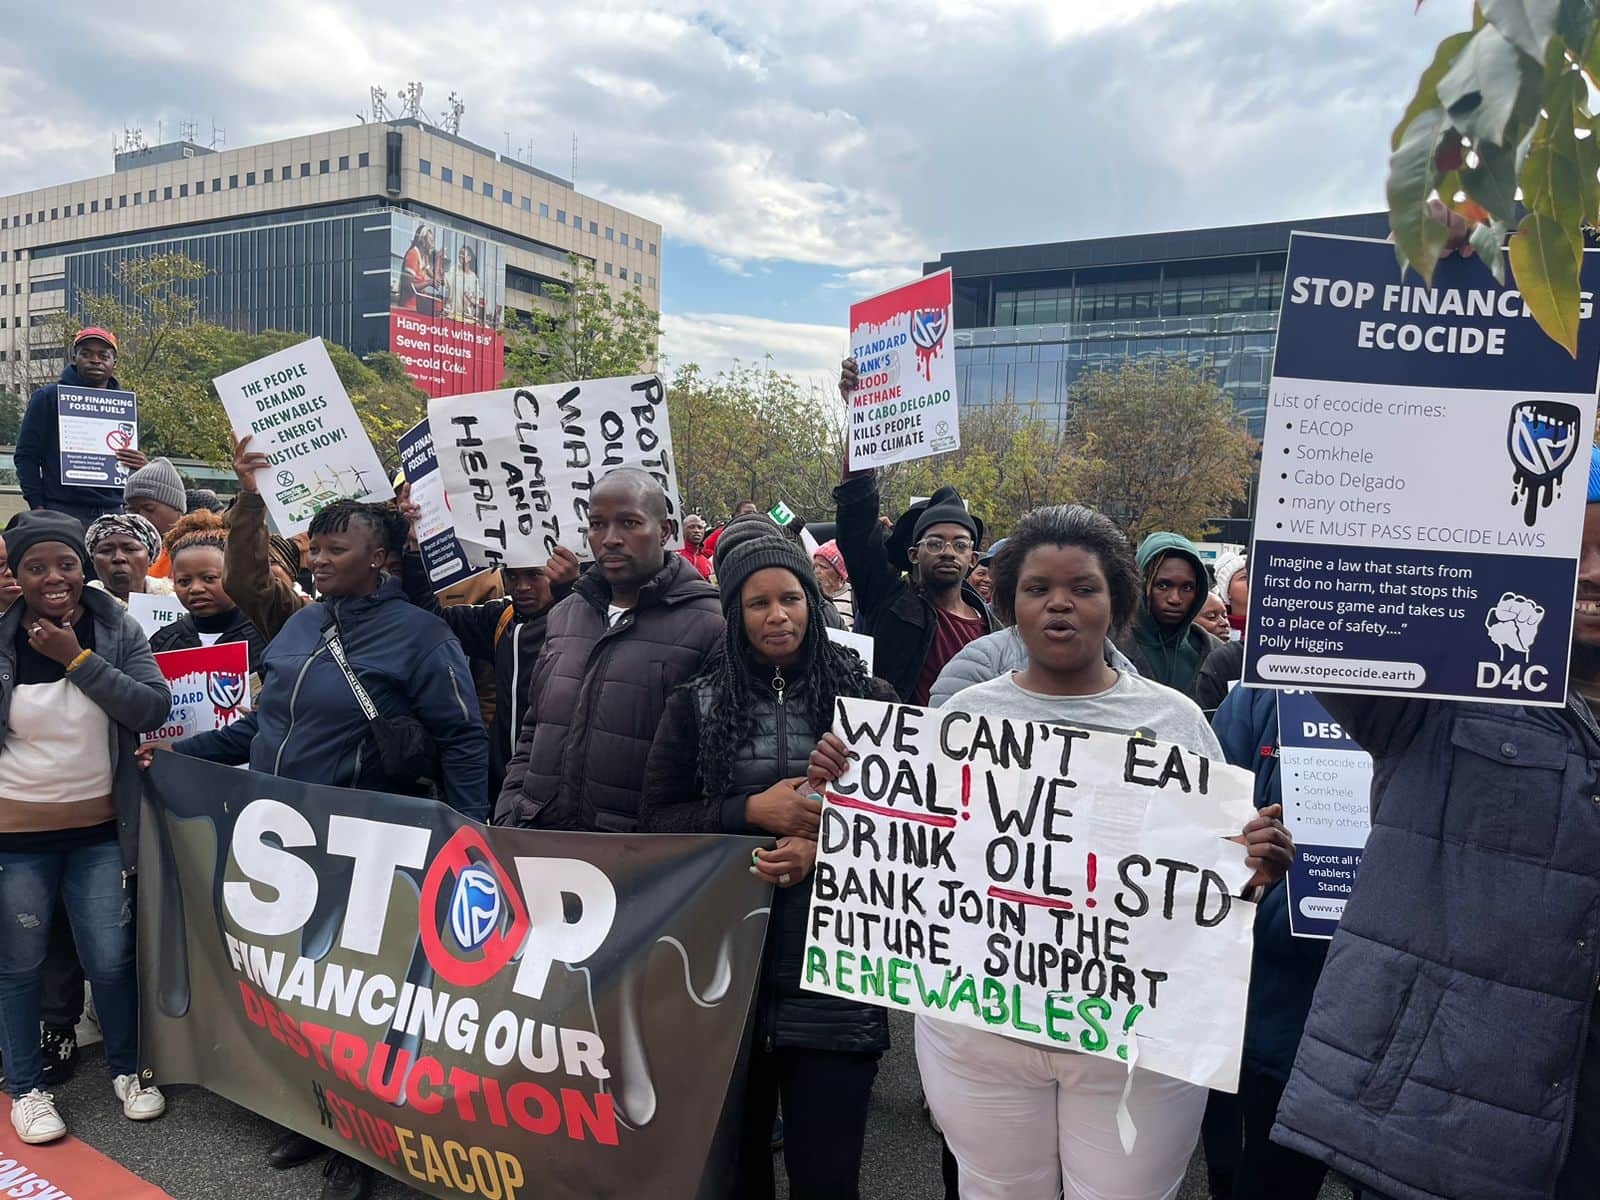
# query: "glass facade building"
{"type": "Point", "coordinates": [1030, 320]}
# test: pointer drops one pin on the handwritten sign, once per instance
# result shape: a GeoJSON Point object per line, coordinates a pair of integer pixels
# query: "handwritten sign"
{"type": "Point", "coordinates": [904, 406]}
{"type": "Point", "coordinates": [294, 406]}
{"type": "Point", "coordinates": [518, 464]}
{"type": "Point", "coordinates": [210, 689]}
{"type": "Point", "coordinates": [93, 424]}
{"type": "Point", "coordinates": [1070, 888]}
{"type": "Point", "coordinates": [154, 612]}
{"type": "Point", "coordinates": [442, 555]}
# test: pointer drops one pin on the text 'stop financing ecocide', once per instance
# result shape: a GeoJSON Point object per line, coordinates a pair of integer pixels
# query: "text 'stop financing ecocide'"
{"type": "Point", "coordinates": [1422, 484]}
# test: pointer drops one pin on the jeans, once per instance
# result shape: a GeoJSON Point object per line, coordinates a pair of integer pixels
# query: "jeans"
{"type": "Point", "coordinates": [88, 880]}
{"type": "Point", "coordinates": [62, 1002]}
{"type": "Point", "coordinates": [825, 1098]}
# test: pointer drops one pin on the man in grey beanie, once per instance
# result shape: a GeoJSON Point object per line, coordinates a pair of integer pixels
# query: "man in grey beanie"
{"type": "Point", "coordinates": [155, 492]}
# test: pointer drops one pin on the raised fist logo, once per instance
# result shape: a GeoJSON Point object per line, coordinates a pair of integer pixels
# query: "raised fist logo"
{"type": "Point", "coordinates": [1513, 623]}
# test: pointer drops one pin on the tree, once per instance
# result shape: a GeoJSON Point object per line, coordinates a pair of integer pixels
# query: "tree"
{"type": "Point", "coordinates": [591, 332]}
{"type": "Point", "coordinates": [11, 406]}
{"type": "Point", "coordinates": [1505, 106]}
{"type": "Point", "coordinates": [1155, 444]}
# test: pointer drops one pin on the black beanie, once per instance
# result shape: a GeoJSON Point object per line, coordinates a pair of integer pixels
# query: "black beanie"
{"type": "Point", "coordinates": [945, 507]}
{"type": "Point", "coordinates": [753, 554]}
{"type": "Point", "coordinates": [41, 525]}
{"type": "Point", "coordinates": [736, 532]}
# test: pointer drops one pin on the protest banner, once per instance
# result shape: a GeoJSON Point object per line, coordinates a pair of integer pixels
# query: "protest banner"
{"type": "Point", "coordinates": [1422, 485]}
{"type": "Point", "coordinates": [442, 555]}
{"type": "Point", "coordinates": [65, 1169]}
{"type": "Point", "coordinates": [534, 1013]}
{"type": "Point", "coordinates": [300, 416]}
{"type": "Point", "coordinates": [904, 405]}
{"type": "Point", "coordinates": [1326, 781]}
{"type": "Point", "coordinates": [861, 643]}
{"type": "Point", "coordinates": [154, 611]}
{"type": "Point", "coordinates": [210, 689]}
{"type": "Point", "coordinates": [1070, 888]}
{"type": "Point", "coordinates": [518, 464]}
{"type": "Point", "coordinates": [92, 425]}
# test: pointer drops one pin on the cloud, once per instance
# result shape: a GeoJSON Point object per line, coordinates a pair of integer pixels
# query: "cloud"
{"type": "Point", "coordinates": [714, 340]}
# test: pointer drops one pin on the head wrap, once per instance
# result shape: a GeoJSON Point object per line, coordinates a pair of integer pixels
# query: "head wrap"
{"type": "Point", "coordinates": [115, 523]}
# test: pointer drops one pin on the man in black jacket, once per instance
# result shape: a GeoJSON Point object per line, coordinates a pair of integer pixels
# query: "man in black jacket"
{"type": "Point", "coordinates": [639, 622]}
{"type": "Point", "coordinates": [38, 454]}
{"type": "Point", "coordinates": [916, 627]}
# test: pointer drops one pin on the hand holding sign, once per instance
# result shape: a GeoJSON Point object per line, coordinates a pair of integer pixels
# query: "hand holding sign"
{"type": "Point", "coordinates": [784, 810]}
{"type": "Point", "coordinates": [246, 462]}
{"type": "Point", "coordinates": [786, 864]}
{"type": "Point", "coordinates": [1268, 846]}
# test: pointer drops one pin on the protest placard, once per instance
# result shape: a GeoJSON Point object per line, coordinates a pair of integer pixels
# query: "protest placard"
{"type": "Point", "coordinates": [518, 464]}
{"type": "Point", "coordinates": [859, 642]}
{"type": "Point", "coordinates": [442, 555]}
{"type": "Point", "coordinates": [904, 405]}
{"type": "Point", "coordinates": [93, 424]}
{"type": "Point", "coordinates": [553, 1015]}
{"type": "Point", "coordinates": [153, 611]}
{"type": "Point", "coordinates": [1422, 484]}
{"type": "Point", "coordinates": [1326, 782]}
{"type": "Point", "coordinates": [210, 689]}
{"type": "Point", "coordinates": [1070, 888]}
{"type": "Point", "coordinates": [300, 416]}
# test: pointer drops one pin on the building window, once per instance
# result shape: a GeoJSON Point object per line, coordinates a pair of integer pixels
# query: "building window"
{"type": "Point", "coordinates": [424, 166]}
{"type": "Point", "coordinates": [505, 196]}
{"type": "Point", "coordinates": [363, 160]}
{"type": "Point", "coordinates": [183, 190]}
{"type": "Point", "coordinates": [344, 162]}
{"type": "Point", "coordinates": [608, 268]}
{"type": "Point", "coordinates": [216, 184]}
{"type": "Point", "coordinates": [80, 208]}
{"type": "Point", "coordinates": [266, 175]}
{"type": "Point", "coordinates": [249, 179]}
{"type": "Point", "coordinates": [544, 209]}
{"type": "Point", "coordinates": [286, 174]}
{"type": "Point", "coordinates": [594, 227]}
{"type": "Point", "coordinates": [527, 204]}
{"type": "Point", "coordinates": [138, 198]}
{"type": "Point", "coordinates": [561, 216]}
{"type": "Point", "coordinates": [166, 193]}
{"type": "Point", "coordinates": [466, 182]}
{"type": "Point", "coordinates": [446, 174]}
{"type": "Point", "coordinates": [233, 182]}
{"type": "Point", "coordinates": [94, 206]}
{"type": "Point", "coordinates": [305, 168]}
{"type": "Point", "coordinates": [488, 189]}
{"type": "Point", "coordinates": [652, 249]}
{"type": "Point", "coordinates": [151, 196]}
{"type": "Point", "coordinates": [29, 220]}
{"type": "Point", "coordinates": [651, 282]}
{"type": "Point", "coordinates": [122, 200]}
{"type": "Point", "coordinates": [322, 166]}
{"type": "Point", "coordinates": [200, 187]}
{"type": "Point", "coordinates": [611, 234]}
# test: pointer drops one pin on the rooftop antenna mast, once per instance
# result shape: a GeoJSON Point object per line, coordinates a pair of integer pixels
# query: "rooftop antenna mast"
{"type": "Point", "coordinates": [187, 131]}
{"type": "Point", "coordinates": [411, 100]}
{"type": "Point", "coordinates": [378, 96]}
{"type": "Point", "coordinates": [219, 136]}
{"type": "Point", "coordinates": [454, 107]}
{"type": "Point", "coordinates": [574, 158]}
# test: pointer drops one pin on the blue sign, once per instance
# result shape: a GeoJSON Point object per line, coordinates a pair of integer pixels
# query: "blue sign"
{"type": "Point", "coordinates": [442, 556]}
{"type": "Point", "coordinates": [93, 424]}
{"type": "Point", "coordinates": [1423, 483]}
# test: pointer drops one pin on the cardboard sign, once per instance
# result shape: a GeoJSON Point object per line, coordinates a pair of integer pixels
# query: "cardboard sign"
{"type": "Point", "coordinates": [210, 689]}
{"type": "Point", "coordinates": [442, 555]}
{"type": "Point", "coordinates": [1422, 484]}
{"type": "Point", "coordinates": [299, 414]}
{"type": "Point", "coordinates": [154, 612]}
{"type": "Point", "coordinates": [518, 464]}
{"type": "Point", "coordinates": [904, 405]}
{"type": "Point", "coordinates": [1070, 888]}
{"type": "Point", "coordinates": [1326, 781]}
{"type": "Point", "coordinates": [93, 424]}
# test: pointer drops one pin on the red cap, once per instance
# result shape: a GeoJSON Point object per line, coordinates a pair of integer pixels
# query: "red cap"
{"type": "Point", "coordinates": [94, 331]}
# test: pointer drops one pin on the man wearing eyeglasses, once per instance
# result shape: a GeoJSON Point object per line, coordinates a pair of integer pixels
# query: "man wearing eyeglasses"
{"type": "Point", "coordinates": [917, 625]}
{"type": "Point", "coordinates": [38, 455]}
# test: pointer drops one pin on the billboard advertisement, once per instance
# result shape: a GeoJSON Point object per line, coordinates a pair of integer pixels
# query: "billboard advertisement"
{"type": "Point", "coordinates": [447, 298]}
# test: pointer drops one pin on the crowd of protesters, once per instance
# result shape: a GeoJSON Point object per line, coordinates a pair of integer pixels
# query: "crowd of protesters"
{"type": "Point", "coordinates": [693, 692]}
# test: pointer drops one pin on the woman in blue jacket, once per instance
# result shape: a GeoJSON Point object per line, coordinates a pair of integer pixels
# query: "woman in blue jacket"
{"type": "Point", "coordinates": [308, 724]}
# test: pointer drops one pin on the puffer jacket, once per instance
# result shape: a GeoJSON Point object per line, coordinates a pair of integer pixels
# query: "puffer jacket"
{"type": "Point", "coordinates": [597, 695]}
{"type": "Point", "coordinates": [787, 1016]}
{"type": "Point", "coordinates": [308, 725]}
{"type": "Point", "coordinates": [121, 677]}
{"type": "Point", "coordinates": [994, 655]}
{"type": "Point", "coordinates": [1442, 1054]}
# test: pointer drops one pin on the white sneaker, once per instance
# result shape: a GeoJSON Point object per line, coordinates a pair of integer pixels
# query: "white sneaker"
{"type": "Point", "coordinates": [138, 1103]}
{"type": "Point", "coordinates": [35, 1118]}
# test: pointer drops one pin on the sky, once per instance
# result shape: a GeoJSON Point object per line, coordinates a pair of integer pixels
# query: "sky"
{"type": "Point", "coordinates": [798, 156]}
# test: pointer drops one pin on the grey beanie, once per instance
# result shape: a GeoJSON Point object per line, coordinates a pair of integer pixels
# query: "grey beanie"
{"type": "Point", "coordinates": [156, 480]}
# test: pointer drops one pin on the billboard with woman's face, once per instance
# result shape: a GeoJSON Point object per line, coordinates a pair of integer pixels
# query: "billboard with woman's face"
{"type": "Point", "coordinates": [447, 296]}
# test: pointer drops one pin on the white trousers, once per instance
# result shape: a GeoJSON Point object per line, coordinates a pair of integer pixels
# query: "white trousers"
{"type": "Point", "coordinates": [1026, 1123]}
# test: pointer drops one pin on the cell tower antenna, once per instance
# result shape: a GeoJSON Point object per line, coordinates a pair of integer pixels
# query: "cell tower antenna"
{"type": "Point", "coordinates": [411, 99]}
{"type": "Point", "coordinates": [454, 107]}
{"type": "Point", "coordinates": [378, 96]}
{"type": "Point", "coordinates": [219, 136]}
{"type": "Point", "coordinates": [187, 131]}
{"type": "Point", "coordinates": [574, 158]}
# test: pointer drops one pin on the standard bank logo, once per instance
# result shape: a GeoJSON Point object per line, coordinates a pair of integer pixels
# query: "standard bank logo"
{"type": "Point", "coordinates": [474, 907]}
{"type": "Point", "coordinates": [928, 327]}
{"type": "Point", "coordinates": [1542, 441]}
{"type": "Point", "coordinates": [1512, 625]}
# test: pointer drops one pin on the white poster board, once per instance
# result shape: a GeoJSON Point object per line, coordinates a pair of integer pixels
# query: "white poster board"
{"type": "Point", "coordinates": [518, 464]}
{"type": "Point", "coordinates": [153, 612]}
{"type": "Point", "coordinates": [300, 416]}
{"type": "Point", "coordinates": [1069, 888]}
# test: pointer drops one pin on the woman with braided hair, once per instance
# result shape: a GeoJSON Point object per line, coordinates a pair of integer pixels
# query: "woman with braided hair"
{"type": "Point", "coordinates": [195, 548]}
{"type": "Point", "coordinates": [730, 757]}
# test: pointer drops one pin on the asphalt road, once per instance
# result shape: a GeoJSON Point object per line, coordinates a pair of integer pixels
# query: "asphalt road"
{"type": "Point", "coordinates": [208, 1149]}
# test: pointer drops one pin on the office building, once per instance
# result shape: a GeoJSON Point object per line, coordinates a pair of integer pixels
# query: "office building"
{"type": "Point", "coordinates": [1031, 319]}
{"type": "Point", "coordinates": [394, 235]}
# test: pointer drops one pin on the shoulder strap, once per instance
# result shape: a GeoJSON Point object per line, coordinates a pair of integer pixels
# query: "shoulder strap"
{"type": "Point", "coordinates": [504, 623]}
{"type": "Point", "coordinates": [330, 635]}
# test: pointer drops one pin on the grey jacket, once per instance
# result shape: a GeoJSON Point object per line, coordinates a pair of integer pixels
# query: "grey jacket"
{"type": "Point", "coordinates": [121, 676]}
{"type": "Point", "coordinates": [991, 656]}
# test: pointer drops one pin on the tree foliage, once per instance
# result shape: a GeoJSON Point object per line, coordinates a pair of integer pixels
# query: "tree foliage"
{"type": "Point", "coordinates": [590, 332]}
{"type": "Point", "coordinates": [1155, 444]}
{"type": "Point", "coordinates": [169, 356]}
{"type": "Point", "coordinates": [1502, 106]}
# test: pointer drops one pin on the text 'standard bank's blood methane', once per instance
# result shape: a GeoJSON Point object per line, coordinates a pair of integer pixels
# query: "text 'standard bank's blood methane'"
{"type": "Point", "coordinates": [476, 1011]}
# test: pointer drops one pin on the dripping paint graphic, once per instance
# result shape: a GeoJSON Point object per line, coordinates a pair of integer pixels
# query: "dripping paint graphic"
{"type": "Point", "coordinates": [1543, 442]}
